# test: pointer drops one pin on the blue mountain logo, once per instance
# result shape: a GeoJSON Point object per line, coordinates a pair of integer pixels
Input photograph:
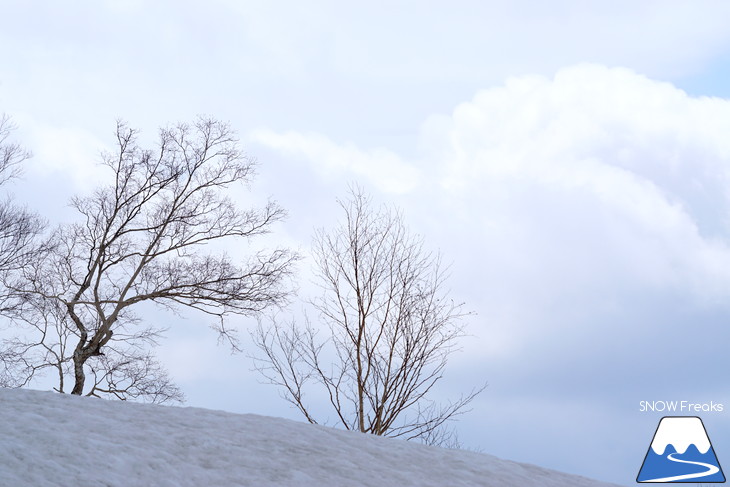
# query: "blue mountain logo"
{"type": "Point", "coordinates": [681, 452]}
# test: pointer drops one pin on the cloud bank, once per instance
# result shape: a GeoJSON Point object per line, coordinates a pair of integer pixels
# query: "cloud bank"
{"type": "Point", "coordinates": [592, 169]}
{"type": "Point", "coordinates": [586, 216]}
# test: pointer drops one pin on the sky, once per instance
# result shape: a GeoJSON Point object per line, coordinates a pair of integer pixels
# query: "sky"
{"type": "Point", "coordinates": [569, 160]}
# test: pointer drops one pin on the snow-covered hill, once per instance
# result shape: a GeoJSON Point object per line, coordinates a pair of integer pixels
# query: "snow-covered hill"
{"type": "Point", "coordinates": [49, 439]}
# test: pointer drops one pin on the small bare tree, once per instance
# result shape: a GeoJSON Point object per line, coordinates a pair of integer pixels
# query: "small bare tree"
{"type": "Point", "coordinates": [147, 237]}
{"type": "Point", "coordinates": [391, 329]}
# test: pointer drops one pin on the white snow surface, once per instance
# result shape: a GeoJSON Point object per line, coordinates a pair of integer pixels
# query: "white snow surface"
{"type": "Point", "coordinates": [50, 439]}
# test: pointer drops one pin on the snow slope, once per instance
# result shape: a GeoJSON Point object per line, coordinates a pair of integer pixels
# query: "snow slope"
{"type": "Point", "coordinates": [49, 439]}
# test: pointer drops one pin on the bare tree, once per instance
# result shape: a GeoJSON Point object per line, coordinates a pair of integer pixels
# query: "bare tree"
{"type": "Point", "coordinates": [132, 374]}
{"type": "Point", "coordinates": [149, 236]}
{"type": "Point", "coordinates": [18, 226]}
{"type": "Point", "coordinates": [19, 229]}
{"type": "Point", "coordinates": [126, 369]}
{"type": "Point", "coordinates": [391, 329]}
{"type": "Point", "coordinates": [11, 153]}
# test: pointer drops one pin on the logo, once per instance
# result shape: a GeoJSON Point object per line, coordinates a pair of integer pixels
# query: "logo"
{"type": "Point", "coordinates": [681, 452]}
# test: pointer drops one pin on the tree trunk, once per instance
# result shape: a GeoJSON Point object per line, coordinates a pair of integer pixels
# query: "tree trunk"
{"type": "Point", "coordinates": [79, 376]}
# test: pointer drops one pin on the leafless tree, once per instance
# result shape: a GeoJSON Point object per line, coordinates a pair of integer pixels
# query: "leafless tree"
{"type": "Point", "coordinates": [18, 226]}
{"type": "Point", "coordinates": [130, 374]}
{"type": "Point", "coordinates": [149, 236]}
{"type": "Point", "coordinates": [125, 370]}
{"type": "Point", "coordinates": [391, 327]}
{"type": "Point", "coordinates": [11, 153]}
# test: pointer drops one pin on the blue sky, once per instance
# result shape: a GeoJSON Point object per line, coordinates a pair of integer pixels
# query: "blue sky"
{"type": "Point", "coordinates": [570, 160]}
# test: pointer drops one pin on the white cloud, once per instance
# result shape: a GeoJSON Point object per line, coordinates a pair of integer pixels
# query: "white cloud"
{"type": "Point", "coordinates": [649, 163]}
{"type": "Point", "coordinates": [583, 198]}
{"type": "Point", "coordinates": [381, 167]}
{"type": "Point", "coordinates": [610, 160]}
{"type": "Point", "coordinates": [68, 153]}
